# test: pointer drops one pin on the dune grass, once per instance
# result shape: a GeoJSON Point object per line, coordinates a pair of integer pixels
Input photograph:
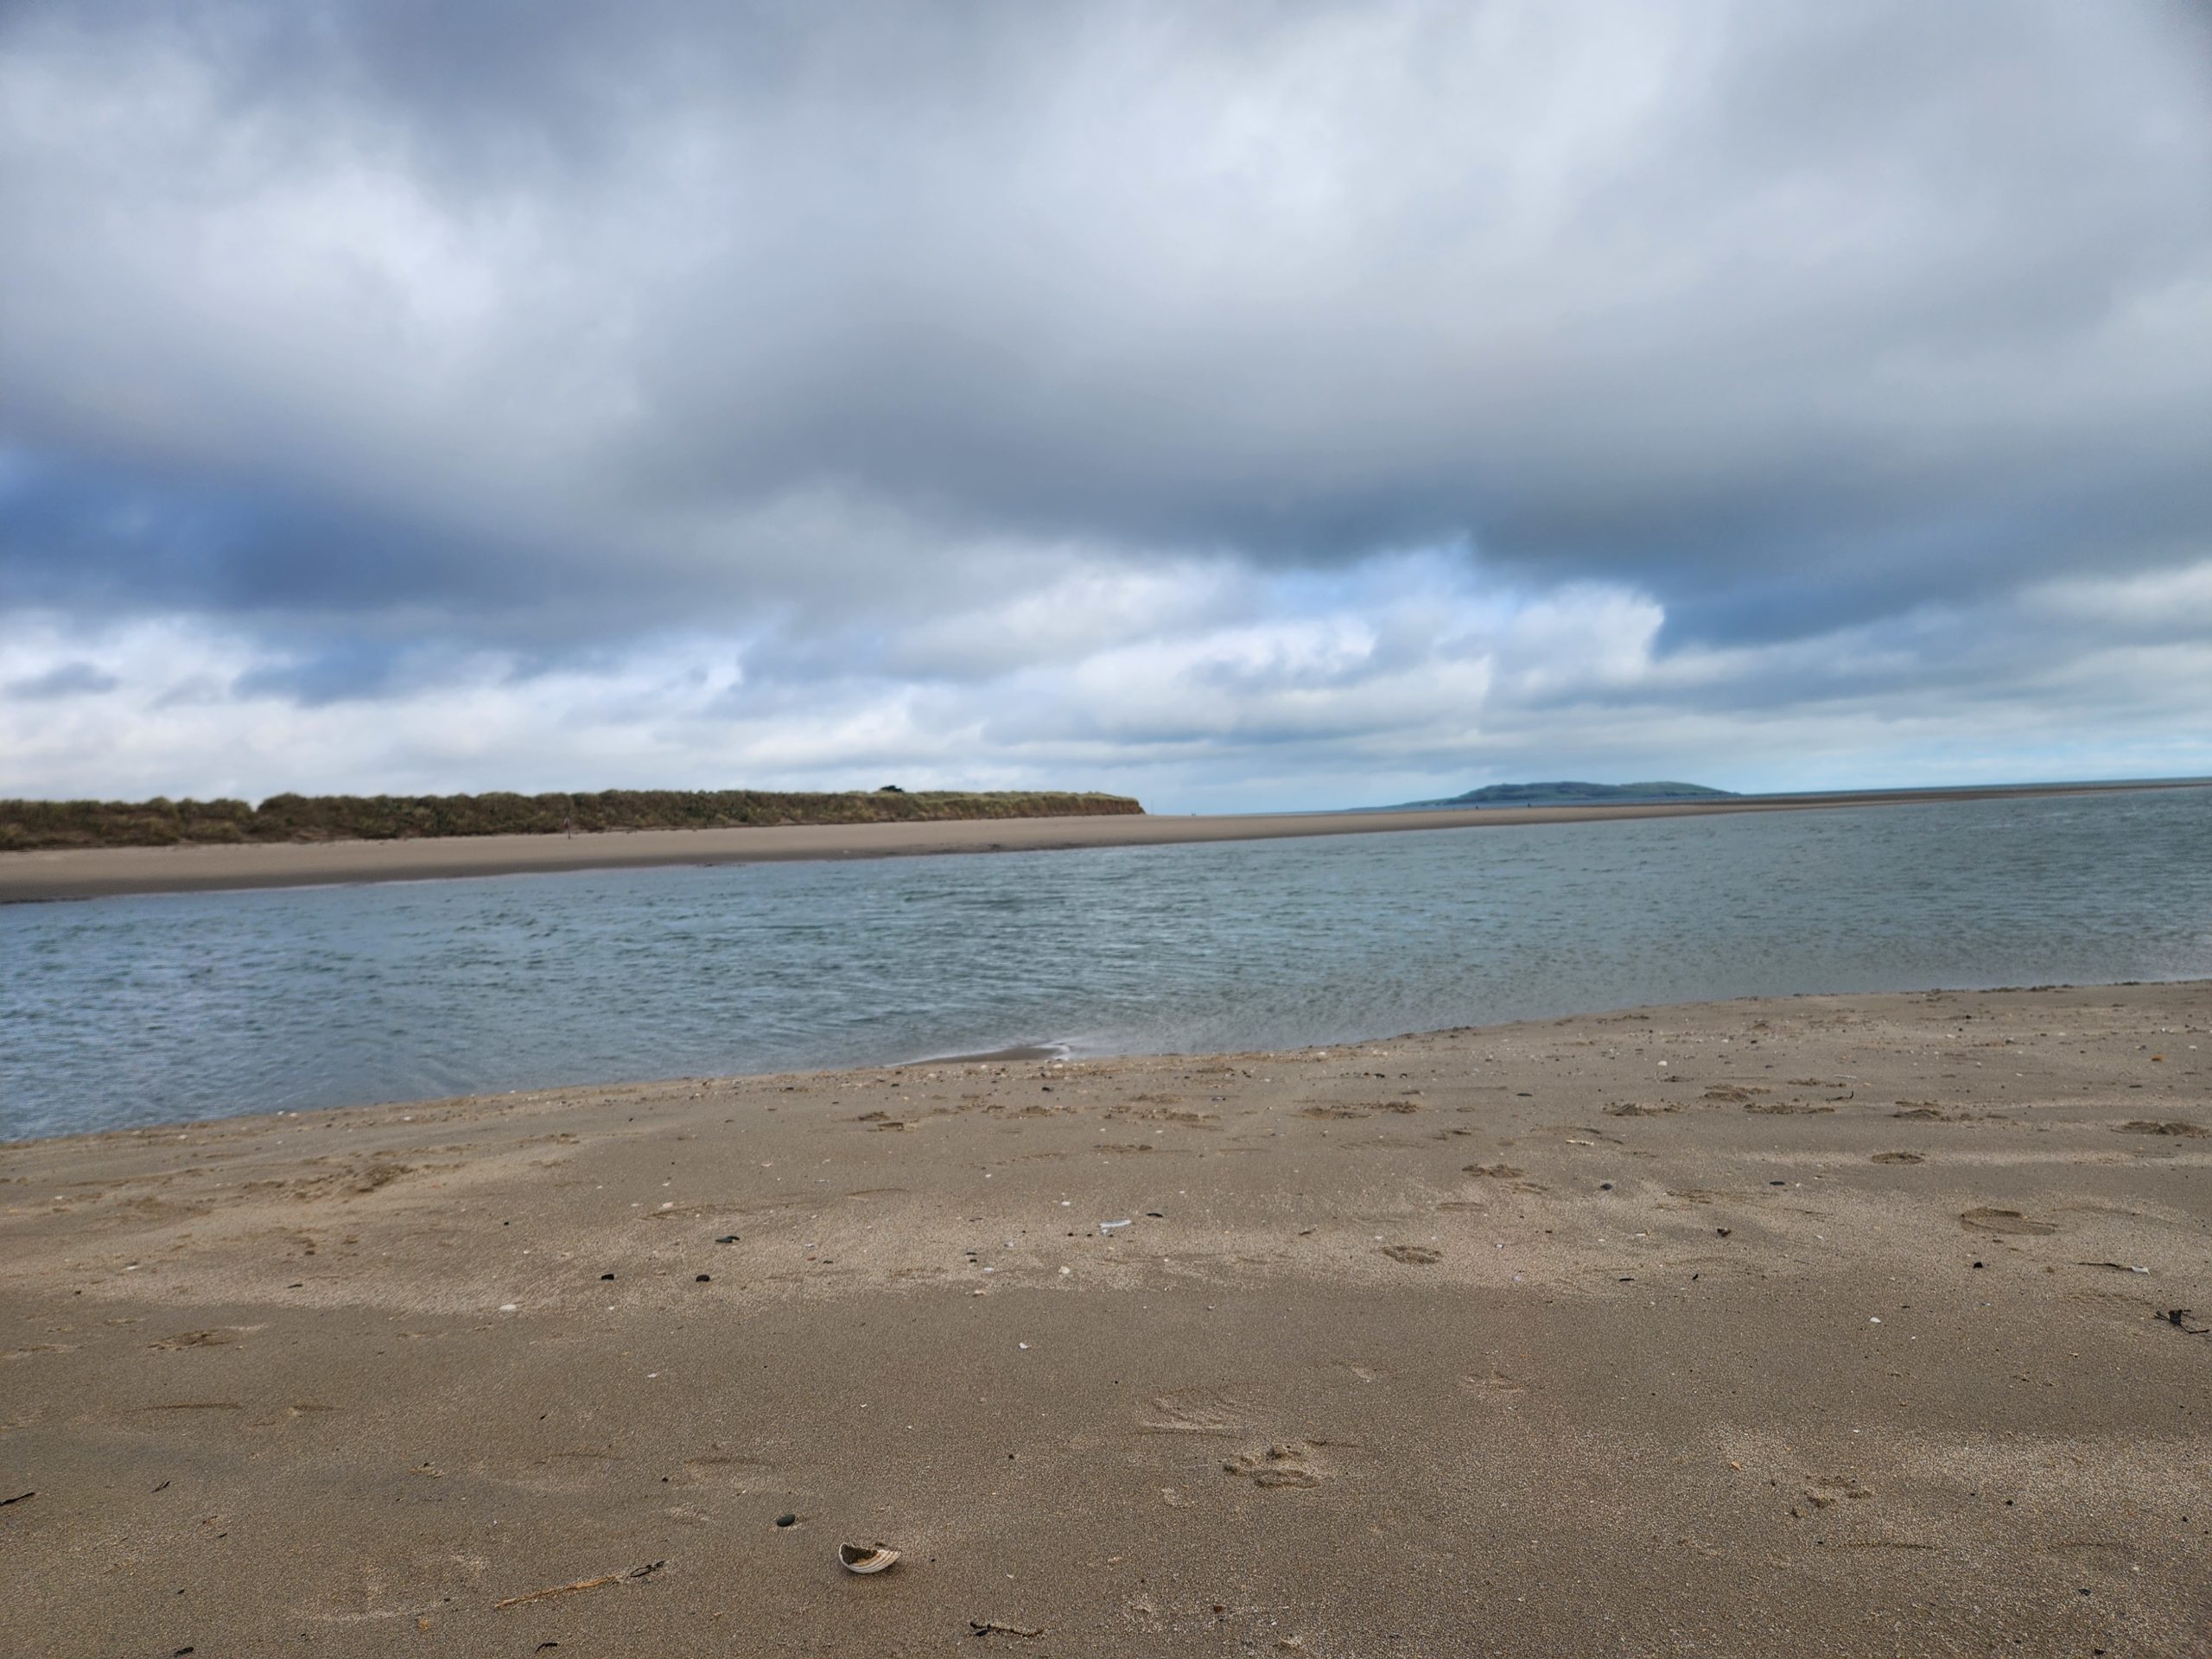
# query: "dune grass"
{"type": "Point", "coordinates": [31, 825]}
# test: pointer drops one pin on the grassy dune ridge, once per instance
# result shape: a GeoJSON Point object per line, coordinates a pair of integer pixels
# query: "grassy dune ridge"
{"type": "Point", "coordinates": [27, 826]}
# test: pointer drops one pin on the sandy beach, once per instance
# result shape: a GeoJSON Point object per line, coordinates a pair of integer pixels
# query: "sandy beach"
{"type": "Point", "coordinates": [1839, 1324]}
{"type": "Point", "coordinates": [108, 871]}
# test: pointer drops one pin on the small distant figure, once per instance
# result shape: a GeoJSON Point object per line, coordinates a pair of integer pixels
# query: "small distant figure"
{"type": "Point", "coordinates": [568, 826]}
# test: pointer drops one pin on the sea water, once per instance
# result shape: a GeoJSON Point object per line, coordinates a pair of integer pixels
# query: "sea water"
{"type": "Point", "coordinates": [139, 1010]}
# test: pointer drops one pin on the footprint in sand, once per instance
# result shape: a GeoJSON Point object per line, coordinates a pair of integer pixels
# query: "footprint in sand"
{"type": "Point", "coordinates": [1497, 1381]}
{"type": "Point", "coordinates": [1331, 1113]}
{"type": "Point", "coordinates": [220, 1338]}
{"type": "Point", "coordinates": [1279, 1465]}
{"type": "Point", "coordinates": [1495, 1171]}
{"type": "Point", "coordinates": [733, 1469]}
{"type": "Point", "coordinates": [1160, 1114]}
{"type": "Point", "coordinates": [1897, 1157]}
{"type": "Point", "coordinates": [2142, 1126]}
{"type": "Point", "coordinates": [1196, 1411]}
{"type": "Point", "coordinates": [2004, 1221]}
{"type": "Point", "coordinates": [1825, 1490]}
{"type": "Point", "coordinates": [1419, 1255]}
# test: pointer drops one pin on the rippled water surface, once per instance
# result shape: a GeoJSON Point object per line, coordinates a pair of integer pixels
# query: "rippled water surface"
{"type": "Point", "coordinates": [125, 1010]}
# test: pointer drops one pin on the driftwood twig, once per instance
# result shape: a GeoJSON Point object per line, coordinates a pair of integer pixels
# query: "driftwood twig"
{"type": "Point", "coordinates": [646, 1571]}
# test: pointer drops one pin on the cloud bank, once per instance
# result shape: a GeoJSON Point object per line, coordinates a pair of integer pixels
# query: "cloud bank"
{"type": "Point", "coordinates": [1248, 405]}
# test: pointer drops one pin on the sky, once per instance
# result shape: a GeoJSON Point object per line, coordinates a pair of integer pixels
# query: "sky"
{"type": "Point", "coordinates": [1242, 405]}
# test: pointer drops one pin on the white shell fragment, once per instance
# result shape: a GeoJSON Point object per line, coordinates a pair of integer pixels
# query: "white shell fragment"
{"type": "Point", "coordinates": [865, 1558]}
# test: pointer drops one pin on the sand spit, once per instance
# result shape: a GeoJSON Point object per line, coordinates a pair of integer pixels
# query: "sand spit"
{"type": "Point", "coordinates": [105, 872]}
{"type": "Point", "coordinates": [1839, 1325]}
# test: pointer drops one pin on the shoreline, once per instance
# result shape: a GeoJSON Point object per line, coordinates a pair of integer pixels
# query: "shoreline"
{"type": "Point", "coordinates": [1786, 1323]}
{"type": "Point", "coordinates": [108, 872]}
{"type": "Point", "coordinates": [1042, 1055]}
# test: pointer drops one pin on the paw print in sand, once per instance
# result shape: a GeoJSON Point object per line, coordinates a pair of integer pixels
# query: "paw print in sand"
{"type": "Point", "coordinates": [1279, 1465]}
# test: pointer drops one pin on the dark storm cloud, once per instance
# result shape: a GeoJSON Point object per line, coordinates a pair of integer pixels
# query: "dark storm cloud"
{"type": "Point", "coordinates": [1792, 316]}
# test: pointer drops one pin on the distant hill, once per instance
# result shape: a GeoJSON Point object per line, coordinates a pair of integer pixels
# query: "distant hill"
{"type": "Point", "coordinates": [1569, 794]}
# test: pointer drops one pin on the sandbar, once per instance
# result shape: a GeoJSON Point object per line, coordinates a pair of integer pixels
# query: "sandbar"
{"type": "Point", "coordinates": [91, 873]}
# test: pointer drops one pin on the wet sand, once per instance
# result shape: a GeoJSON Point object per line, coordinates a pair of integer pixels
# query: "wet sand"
{"type": "Point", "coordinates": [1801, 1325]}
{"type": "Point", "coordinates": [107, 871]}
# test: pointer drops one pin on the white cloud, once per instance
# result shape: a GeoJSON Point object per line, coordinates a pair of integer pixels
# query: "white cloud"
{"type": "Point", "coordinates": [2165, 601]}
{"type": "Point", "coordinates": [1421, 683]}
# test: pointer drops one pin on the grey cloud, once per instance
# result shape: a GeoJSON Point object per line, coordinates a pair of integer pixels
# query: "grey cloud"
{"type": "Point", "coordinates": [819, 325]}
{"type": "Point", "coordinates": [195, 691]}
{"type": "Point", "coordinates": [340, 672]}
{"type": "Point", "coordinates": [68, 680]}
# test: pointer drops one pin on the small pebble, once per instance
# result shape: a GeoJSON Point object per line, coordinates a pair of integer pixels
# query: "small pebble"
{"type": "Point", "coordinates": [787, 1519]}
{"type": "Point", "coordinates": [703, 1279]}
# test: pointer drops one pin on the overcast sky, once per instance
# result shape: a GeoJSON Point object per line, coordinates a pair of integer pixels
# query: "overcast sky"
{"type": "Point", "coordinates": [1245, 405]}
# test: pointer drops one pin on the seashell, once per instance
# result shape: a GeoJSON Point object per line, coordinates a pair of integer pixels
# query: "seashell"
{"type": "Point", "coordinates": [866, 1558]}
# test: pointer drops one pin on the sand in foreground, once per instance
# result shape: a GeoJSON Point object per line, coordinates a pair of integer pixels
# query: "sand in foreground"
{"type": "Point", "coordinates": [1798, 1325]}
{"type": "Point", "coordinates": [105, 872]}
